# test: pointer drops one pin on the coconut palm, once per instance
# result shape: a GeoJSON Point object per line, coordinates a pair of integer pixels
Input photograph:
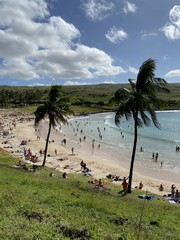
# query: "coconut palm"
{"type": "Point", "coordinates": [56, 109]}
{"type": "Point", "coordinates": [140, 103]}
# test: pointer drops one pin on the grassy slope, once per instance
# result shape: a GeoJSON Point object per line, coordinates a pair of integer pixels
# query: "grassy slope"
{"type": "Point", "coordinates": [101, 93]}
{"type": "Point", "coordinates": [74, 204]}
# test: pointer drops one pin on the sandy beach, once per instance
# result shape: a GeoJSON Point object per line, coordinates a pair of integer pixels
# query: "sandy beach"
{"type": "Point", "coordinates": [16, 127]}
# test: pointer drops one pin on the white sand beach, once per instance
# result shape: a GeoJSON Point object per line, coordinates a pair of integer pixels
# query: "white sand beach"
{"type": "Point", "coordinates": [22, 128]}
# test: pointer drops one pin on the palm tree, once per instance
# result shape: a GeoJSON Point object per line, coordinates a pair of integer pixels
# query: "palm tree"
{"type": "Point", "coordinates": [56, 108]}
{"type": "Point", "coordinates": [140, 102]}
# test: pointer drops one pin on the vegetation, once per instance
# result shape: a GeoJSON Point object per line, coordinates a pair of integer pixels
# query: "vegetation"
{"type": "Point", "coordinates": [56, 108]}
{"type": "Point", "coordinates": [140, 103]}
{"type": "Point", "coordinates": [37, 206]}
{"type": "Point", "coordinates": [83, 99]}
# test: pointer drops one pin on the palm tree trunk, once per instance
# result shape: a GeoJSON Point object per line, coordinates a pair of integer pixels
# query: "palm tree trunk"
{"type": "Point", "coordinates": [47, 142]}
{"type": "Point", "coordinates": [133, 153]}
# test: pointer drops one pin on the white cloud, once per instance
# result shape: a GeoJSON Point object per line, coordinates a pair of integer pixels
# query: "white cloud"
{"type": "Point", "coordinates": [73, 83]}
{"type": "Point", "coordinates": [34, 45]}
{"type": "Point", "coordinates": [172, 29]}
{"type": "Point", "coordinates": [109, 82]}
{"type": "Point", "coordinates": [22, 9]}
{"type": "Point", "coordinates": [129, 7]}
{"type": "Point", "coordinates": [147, 35]}
{"type": "Point", "coordinates": [115, 35]}
{"type": "Point", "coordinates": [97, 9]}
{"type": "Point", "coordinates": [173, 73]}
{"type": "Point", "coordinates": [39, 84]}
{"type": "Point", "coordinates": [133, 70]}
{"type": "Point", "coordinates": [174, 15]}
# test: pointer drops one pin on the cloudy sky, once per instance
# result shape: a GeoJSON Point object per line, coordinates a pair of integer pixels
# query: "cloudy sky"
{"type": "Point", "coordinates": [70, 42]}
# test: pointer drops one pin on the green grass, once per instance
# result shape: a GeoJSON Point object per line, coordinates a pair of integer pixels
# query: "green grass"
{"type": "Point", "coordinates": [92, 98]}
{"type": "Point", "coordinates": [71, 205]}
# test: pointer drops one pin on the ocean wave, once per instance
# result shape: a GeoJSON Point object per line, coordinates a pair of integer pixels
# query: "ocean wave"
{"type": "Point", "coordinates": [166, 111]}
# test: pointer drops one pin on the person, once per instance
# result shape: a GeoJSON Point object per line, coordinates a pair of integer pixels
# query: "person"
{"type": "Point", "coordinates": [161, 163]}
{"type": "Point", "coordinates": [100, 183]}
{"type": "Point", "coordinates": [64, 175]}
{"type": "Point", "coordinates": [55, 151]}
{"type": "Point", "coordinates": [72, 150]}
{"type": "Point", "coordinates": [124, 184]}
{"type": "Point", "coordinates": [156, 157]}
{"type": "Point", "coordinates": [19, 163]}
{"type": "Point", "coordinates": [141, 185]}
{"type": "Point", "coordinates": [177, 194]}
{"type": "Point", "coordinates": [64, 141]}
{"type": "Point", "coordinates": [34, 167]}
{"type": "Point", "coordinates": [173, 187]}
{"type": "Point", "coordinates": [161, 188]}
{"type": "Point", "coordinates": [41, 152]}
{"type": "Point", "coordinates": [82, 164]}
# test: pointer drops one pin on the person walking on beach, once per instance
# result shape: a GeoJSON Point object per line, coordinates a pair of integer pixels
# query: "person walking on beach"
{"type": "Point", "coordinates": [156, 157]}
{"type": "Point", "coordinates": [173, 187]}
{"type": "Point", "coordinates": [72, 150]}
{"type": "Point", "coordinates": [161, 163]}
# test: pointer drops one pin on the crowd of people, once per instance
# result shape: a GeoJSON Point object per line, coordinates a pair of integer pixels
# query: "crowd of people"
{"type": "Point", "coordinates": [28, 155]}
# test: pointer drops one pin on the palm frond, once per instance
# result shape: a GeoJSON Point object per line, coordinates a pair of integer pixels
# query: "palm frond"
{"type": "Point", "coordinates": [154, 118]}
{"type": "Point", "coordinates": [40, 114]}
{"type": "Point", "coordinates": [132, 84]}
{"type": "Point", "coordinates": [122, 111]}
{"type": "Point", "coordinates": [146, 73]}
{"type": "Point", "coordinates": [120, 95]}
{"type": "Point", "coordinates": [145, 119]}
{"type": "Point", "coordinates": [139, 122]}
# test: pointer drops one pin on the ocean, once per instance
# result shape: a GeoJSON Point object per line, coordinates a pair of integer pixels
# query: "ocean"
{"type": "Point", "coordinates": [97, 135]}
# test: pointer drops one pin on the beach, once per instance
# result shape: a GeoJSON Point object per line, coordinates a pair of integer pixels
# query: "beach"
{"type": "Point", "coordinates": [21, 127]}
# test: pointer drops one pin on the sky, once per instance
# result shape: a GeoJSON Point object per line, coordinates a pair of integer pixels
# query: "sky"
{"type": "Point", "coordinates": [75, 42]}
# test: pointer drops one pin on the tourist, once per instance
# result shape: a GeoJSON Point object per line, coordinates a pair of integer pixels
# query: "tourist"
{"type": "Point", "coordinates": [161, 188]}
{"type": "Point", "coordinates": [64, 175]}
{"type": "Point", "coordinates": [173, 187]}
{"type": "Point", "coordinates": [141, 149]}
{"type": "Point", "coordinates": [177, 194]}
{"type": "Point", "coordinates": [124, 185]}
{"type": "Point", "coordinates": [82, 165]}
{"type": "Point", "coordinates": [156, 157]}
{"type": "Point", "coordinates": [141, 185]}
{"type": "Point", "coordinates": [100, 183]}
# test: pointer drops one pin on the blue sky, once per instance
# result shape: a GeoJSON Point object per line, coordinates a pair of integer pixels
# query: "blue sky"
{"type": "Point", "coordinates": [73, 42]}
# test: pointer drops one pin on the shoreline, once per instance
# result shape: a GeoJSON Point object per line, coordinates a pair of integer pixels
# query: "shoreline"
{"type": "Point", "coordinates": [25, 131]}
{"type": "Point", "coordinates": [99, 156]}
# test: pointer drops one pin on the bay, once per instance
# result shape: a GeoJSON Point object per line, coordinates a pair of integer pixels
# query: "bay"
{"type": "Point", "coordinates": [111, 142]}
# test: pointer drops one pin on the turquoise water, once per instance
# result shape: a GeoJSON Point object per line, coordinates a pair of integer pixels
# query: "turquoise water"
{"type": "Point", "coordinates": [117, 141]}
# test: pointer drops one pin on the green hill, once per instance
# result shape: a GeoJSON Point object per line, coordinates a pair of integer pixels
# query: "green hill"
{"type": "Point", "coordinates": [37, 206]}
